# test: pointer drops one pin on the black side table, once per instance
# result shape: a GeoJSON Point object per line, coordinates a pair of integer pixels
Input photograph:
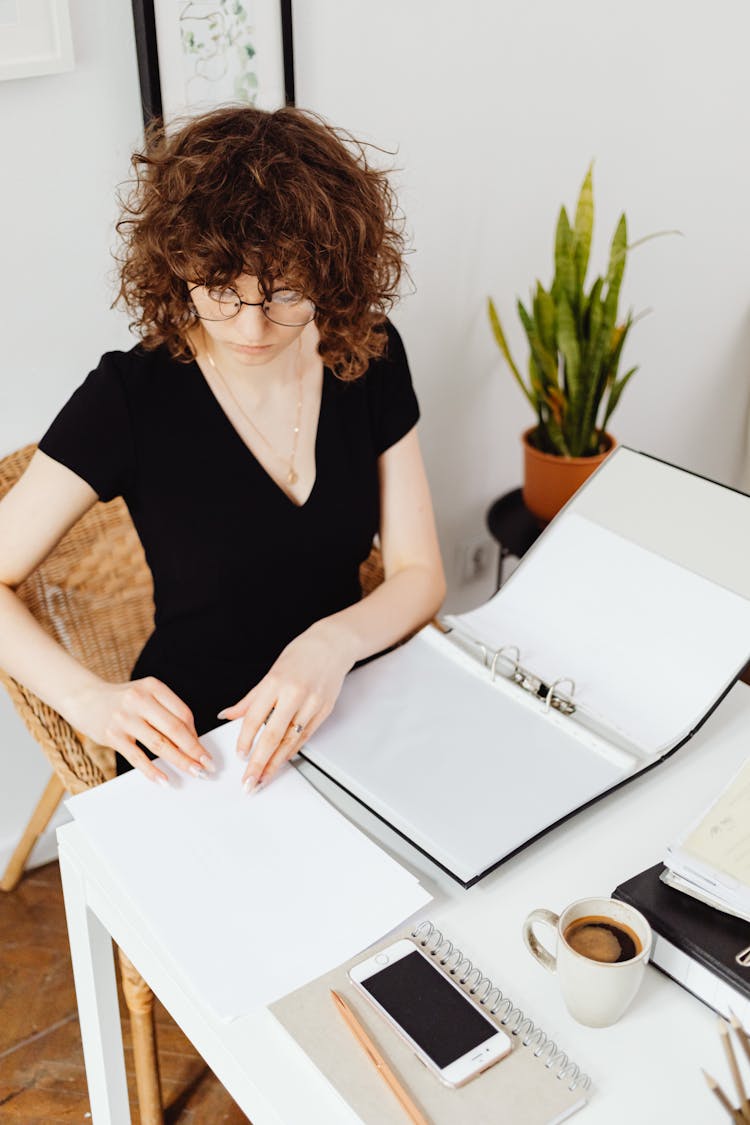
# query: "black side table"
{"type": "Point", "coordinates": [512, 525]}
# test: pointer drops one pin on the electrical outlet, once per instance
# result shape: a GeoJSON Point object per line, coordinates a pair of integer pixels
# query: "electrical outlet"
{"type": "Point", "coordinates": [475, 559]}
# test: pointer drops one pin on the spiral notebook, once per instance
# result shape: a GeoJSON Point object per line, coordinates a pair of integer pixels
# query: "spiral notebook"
{"type": "Point", "coordinates": [537, 1084]}
{"type": "Point", "coordinates": [619, 632]}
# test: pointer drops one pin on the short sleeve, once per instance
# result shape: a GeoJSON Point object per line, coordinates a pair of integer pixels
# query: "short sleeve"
{"type": "Point", "coordinates": [92, 434]}
{"type": "Point", "coordinates": [393, 405]}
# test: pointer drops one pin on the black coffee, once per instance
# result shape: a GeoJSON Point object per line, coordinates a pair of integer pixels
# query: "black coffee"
{"type": "Point", "coordinates": [602, 939]}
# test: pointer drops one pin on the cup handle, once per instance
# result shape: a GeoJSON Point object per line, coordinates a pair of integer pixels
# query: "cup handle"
{"type": "Point", "coordinates": [534, 946]}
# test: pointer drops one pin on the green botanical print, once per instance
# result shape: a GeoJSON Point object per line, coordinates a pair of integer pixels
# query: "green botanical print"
{"type": "Point", "coordinates": [217, 45]}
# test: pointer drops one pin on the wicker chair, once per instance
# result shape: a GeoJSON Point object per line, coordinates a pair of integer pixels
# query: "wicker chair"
{"type": "Point", "coordinates": [93, 594]}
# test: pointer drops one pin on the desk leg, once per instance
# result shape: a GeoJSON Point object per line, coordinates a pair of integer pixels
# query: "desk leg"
{"type": "Point", "coordinates": [98, 1009]}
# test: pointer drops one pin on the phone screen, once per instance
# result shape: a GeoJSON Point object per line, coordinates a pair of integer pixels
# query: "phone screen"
{"type": "Point", "coordinates": [429, 1009]}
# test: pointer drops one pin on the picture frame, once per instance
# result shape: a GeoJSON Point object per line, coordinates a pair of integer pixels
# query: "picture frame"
{"type": "Point", "coordinates": [194, 55]}
{"type": "Point", "coordinates": [35, 38]}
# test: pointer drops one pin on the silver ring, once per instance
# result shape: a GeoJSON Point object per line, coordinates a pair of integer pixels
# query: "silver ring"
{"type": "Point", "coordinates": [298, 728]}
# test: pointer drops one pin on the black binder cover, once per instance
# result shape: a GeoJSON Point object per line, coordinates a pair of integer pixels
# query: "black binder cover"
{"type": "Point", "coordinates": [706, 935]}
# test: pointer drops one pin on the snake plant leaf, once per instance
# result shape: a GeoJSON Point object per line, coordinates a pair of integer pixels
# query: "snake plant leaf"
{"type": "Point", "coordinates": [535, 379]}
{"type": "Point", "coordinates": [654, 234]}
{"type": "Point", "coordinates": [565, 270]}
{"type": "Point", "coordinates": [603, 342]}
{"type": "Point", "coordinates": [545, 315]}
{"type": "Point", "coordinates": [557, 403]}
{"type": "Point", "coordinates": [567, 342]}
{"type": "Point", "coordinates": [525, 318]}
{"type": "Point", "coordinates": [608, 357]}
{"type": "Point", "coordinates": [556, 438]}
{"type": "Point", "coordinates": [614, 394]}
{"type": "Point", "coordinates": [583, 226]}
{"type": "Point", "coordinates": [502, 344]}
{"type": "Point", "coordinates": [619, 336]}
{"type": "Point", "coordinates": [597, 376]}
{"type": "Point", "coordinates": [618, 253]}
{"type": "Point", "coordinates": [546, 360]}
{"type": "Point", "coordinates": [553, 418]}
{"type": "Point", "coordinates": [592, 322]}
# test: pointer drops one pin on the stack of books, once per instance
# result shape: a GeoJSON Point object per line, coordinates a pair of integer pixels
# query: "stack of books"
{"type": "Point", "coordinates": [698, 903]}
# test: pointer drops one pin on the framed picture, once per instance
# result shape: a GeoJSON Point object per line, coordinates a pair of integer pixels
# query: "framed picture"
{"type": "Point", "coordinates": [194, 55]}
{"type": "Point", "coordinates": [35, 38]}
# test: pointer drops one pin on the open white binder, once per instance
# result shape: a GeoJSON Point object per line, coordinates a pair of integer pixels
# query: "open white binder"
{"type": "Point", "coordinates": [615, 638]}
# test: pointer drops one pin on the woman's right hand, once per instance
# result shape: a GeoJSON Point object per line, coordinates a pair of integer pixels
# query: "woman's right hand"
{"type": "Point", "coordinates": [145, 710]}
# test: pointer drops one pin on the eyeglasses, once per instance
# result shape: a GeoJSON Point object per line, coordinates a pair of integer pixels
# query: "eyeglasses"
{"type": "Point", "coordinates": [283, 306]}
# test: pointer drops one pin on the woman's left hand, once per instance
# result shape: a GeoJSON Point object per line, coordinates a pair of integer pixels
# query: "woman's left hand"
{"type": "Point", "coordinates": [291, 701]}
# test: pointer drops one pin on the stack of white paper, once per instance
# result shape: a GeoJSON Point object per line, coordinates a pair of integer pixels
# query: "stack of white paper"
{"type": "Point", "coordinates": [253, 895]}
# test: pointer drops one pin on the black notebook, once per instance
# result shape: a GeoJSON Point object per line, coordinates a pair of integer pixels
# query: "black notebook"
{"type": "Point", "coordinates": [703, 949]}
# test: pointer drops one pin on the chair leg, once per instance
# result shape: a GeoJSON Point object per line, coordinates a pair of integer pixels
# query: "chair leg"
{"type": "Point", "coordinates": [140, 1001]}
{"type": "Point", "coordinates": [38, 821]}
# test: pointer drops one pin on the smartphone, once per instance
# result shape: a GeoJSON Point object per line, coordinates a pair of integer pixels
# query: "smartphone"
{"type": "Point", "coordinates": [446, 1029]}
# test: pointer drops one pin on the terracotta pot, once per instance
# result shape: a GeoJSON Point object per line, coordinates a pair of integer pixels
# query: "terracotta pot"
{"type": "Point", "coordinates": [550, 480]}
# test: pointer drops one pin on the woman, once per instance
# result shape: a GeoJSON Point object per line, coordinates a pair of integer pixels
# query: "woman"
{"type": "Point", "coordinates": [261, 433]}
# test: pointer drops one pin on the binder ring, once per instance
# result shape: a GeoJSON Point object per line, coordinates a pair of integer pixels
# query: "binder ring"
{"type": "Point", "coordinates": [502, 653]}
{"type": "Point", "coordinates": [559, 701]}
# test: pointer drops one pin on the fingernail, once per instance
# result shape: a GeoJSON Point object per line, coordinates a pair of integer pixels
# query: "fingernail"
{"type": "Point", "coordinates": [160, 779]}
{"type": "Point", "coordinates": [243, 751]}
{"type": "Point", "coordinates": [196, 771]}
{"type": "Point", "coordinates": [251, 785]}
{"type": "Point", "coordinates": [207, 763]}
{"type": "Point", "coordinates": [222, 714]}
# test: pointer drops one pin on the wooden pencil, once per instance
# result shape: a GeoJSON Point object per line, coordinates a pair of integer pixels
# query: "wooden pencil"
{"type": "Point", "coordinates": [377, 1060]}
{"type": "Point", "coordinates": [717, 1091]}
{"type": "Point", "coordinates": [735, 1070]}
{"type": "Point", "coordinates": [740, 1033]}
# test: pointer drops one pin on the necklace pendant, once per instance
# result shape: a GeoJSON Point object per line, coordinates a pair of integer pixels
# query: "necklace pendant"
{"type": "Point", "coordinates": [292, 477]}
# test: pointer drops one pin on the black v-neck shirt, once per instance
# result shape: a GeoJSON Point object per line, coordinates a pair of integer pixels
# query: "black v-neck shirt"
{"type": "Point", "coordinates": [239, 569]}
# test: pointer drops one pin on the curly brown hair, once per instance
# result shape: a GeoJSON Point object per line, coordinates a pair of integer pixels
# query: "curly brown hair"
{"type": "Point", "coordinates": [279, 195]}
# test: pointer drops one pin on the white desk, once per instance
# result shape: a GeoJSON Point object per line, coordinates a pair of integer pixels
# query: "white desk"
{"type": "Point", "coordinates": [645, 1069]}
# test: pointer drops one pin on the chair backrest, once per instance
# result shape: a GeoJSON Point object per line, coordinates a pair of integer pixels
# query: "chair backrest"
{"type": "Point", "coordinates": [371, 572]}
{"type": "Point", "coordinates": [94, 595]}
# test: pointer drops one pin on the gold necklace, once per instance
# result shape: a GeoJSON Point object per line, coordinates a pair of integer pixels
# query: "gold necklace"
{"type": "Point", "coordinates": [292, 475]}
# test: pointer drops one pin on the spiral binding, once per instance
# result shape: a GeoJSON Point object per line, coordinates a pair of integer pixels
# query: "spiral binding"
{"type": "Point", "coordinates": [491, 997]}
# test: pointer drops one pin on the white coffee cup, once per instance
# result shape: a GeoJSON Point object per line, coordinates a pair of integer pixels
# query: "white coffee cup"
{"type": "Point", "coordinates": [596, 993]}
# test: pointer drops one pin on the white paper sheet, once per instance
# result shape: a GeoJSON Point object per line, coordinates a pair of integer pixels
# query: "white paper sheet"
{"type": "Point", "coordinates": [650, 645]}
{"type": "Point", "coordinates": [254, 895]}
{"type": "Point", "coordinates": [463, 770]}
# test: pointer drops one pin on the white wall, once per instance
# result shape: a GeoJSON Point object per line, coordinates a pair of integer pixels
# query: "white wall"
{"type": "Point", "coordinates": [496, 111]}
{"type": "Point", "coordinates": [66, 140]}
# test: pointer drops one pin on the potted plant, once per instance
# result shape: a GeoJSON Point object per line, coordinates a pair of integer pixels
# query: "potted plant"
{"type": "Point", "coordinates": [575, 344]}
